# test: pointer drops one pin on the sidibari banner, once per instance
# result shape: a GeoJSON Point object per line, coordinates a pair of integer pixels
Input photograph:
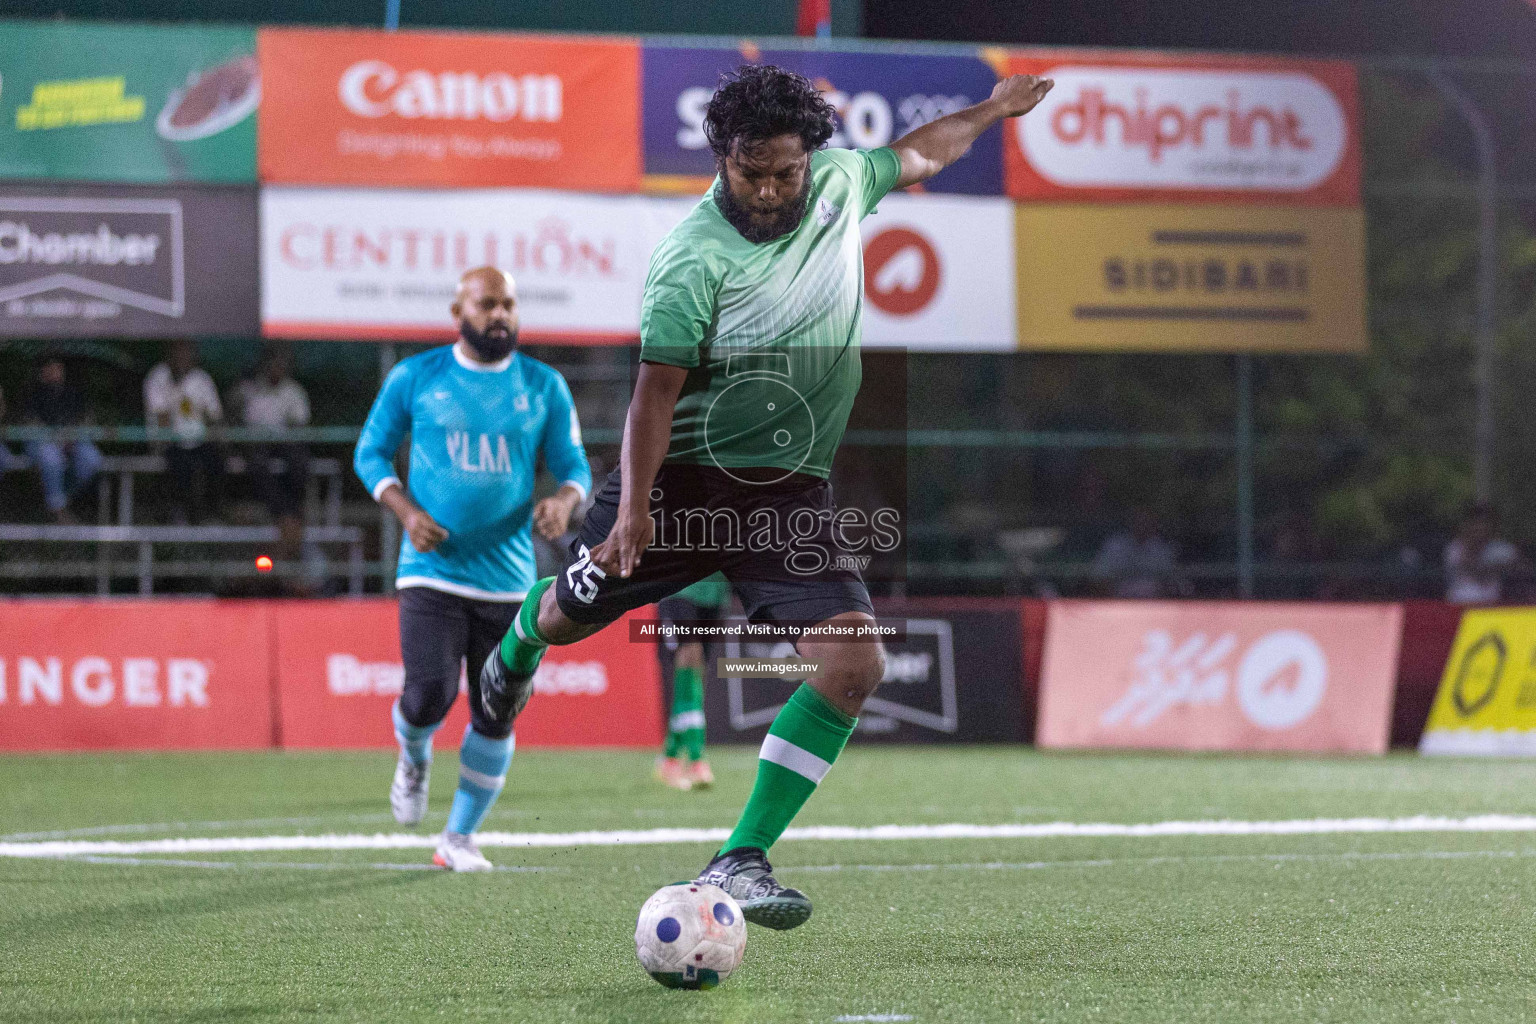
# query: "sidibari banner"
{"type": "Point", "coordinates": [1219, 676]}
{"type": "Point", "coordinates": [878, 97]}
{"type": "Point", "coordinates": [1186, 128]}
{"type": "Point", "coordinates": [1191, 278]}
{"type": "Point", "coordinates": [127, 261]}
{"type": "Point", "coordinates": [1486, 704]}
{"type": "Point", "coordinates": [351, 107]}
{"type": "Point", "coordinates": [129, 103]}
{"type": "Point", "coordinates": [377, 264]}
{"type": "Point", "coordinates": [109, 675]}
{"type": "Point", "coordinates": [338, 672]}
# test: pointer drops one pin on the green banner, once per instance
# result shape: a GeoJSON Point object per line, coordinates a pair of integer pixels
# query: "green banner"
{"type": "Point", "coordinates": [133, 103]}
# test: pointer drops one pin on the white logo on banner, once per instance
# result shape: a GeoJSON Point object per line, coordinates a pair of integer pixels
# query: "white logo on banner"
{"type": "Point", "coordinates": [1281, 678]}
{"type": "Point", "coordinates": [371, 88]}
{"type": "Point", "coordinates": [96, 682]}
{"type": "Point", "coordinates": [1185, 129]}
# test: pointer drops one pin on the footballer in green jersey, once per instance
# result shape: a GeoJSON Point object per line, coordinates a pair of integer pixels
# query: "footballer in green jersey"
{"type": "Point", "coordinates": [749, 364]}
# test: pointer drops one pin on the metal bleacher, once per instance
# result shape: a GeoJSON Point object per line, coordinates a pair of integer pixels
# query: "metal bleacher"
{"type": "Point", "coordinates": [116, 523]}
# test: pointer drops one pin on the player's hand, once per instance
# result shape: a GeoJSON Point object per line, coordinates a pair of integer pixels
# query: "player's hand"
{"type": "Point", "coordinates": [552, 516]}
{"type": "Point", "coordinates": [632, 533]}
{"type": "Point", "coordinates": [1019, 94]}
{"type": "Point", "coordinates": [424, 531]}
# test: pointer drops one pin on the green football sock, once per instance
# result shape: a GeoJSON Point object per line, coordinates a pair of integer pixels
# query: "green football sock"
{"type": "Point", "coordinates": [798, 751]}
{"type": "Point", "coordinates": [685, 726]}
{"type": "Point", "coordinates": [523, 646]}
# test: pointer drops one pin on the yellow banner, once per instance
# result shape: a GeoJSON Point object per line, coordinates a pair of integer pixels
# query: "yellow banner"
{"type": "Point", "coordinates": [1192, 278]}
{"type": "Point", "coordinates": [1487, 698]}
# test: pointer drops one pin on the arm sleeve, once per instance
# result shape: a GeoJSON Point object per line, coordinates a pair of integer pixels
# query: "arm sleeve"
{"type": "Point", "coordinates": [386, 425]}
{"type": "Point", "coordinates": [879, 170]}
{"type": "Point", "coordinates": [301, 413]}
{"type": "Point", "coordinates": [211, 397]}
{"type": "Point", "coordinates": [156, 400]}
{"type": "Point", "coordinates": [563, 452]}
{"type": "Point", "coordinates": [677, 308]}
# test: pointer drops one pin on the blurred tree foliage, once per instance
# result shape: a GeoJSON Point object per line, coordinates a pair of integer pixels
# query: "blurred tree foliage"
{"type": "Point", "coordinates": [1360, 456]}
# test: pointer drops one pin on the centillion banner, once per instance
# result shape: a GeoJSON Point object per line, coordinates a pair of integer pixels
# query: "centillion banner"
{"type": "Point", "coordinates": [1190, 278]}
{"type": "Point", "coordinates": [1487, 699]}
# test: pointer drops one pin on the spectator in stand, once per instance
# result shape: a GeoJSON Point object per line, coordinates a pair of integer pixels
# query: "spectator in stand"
{"type": "Point", "coordinates": [1137, 562]}
{"type": "Point", "coordinates": [1477, 563]}
{"type": "Point", "coordinates": [181, 397]}
{"type": "Point", "coordinates": [273, 400]}
{"type": "Point", "coordinates": [64, 465]}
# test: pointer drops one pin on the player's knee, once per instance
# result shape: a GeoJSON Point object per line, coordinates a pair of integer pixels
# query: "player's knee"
{"type": "Point", "coordinates": [426, 705]}
{"type": "Point", "coordinates": [556, 627]}
{"type": "Point", "coordinates": [690, 655]}
{"type": "Point", "coordinates": [855, 670]}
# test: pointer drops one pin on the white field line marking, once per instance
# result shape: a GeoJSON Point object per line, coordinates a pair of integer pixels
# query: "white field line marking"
{"type": "Point", "coordinates": [185, 826]}
{"type": "Point", "coordinates": [663, 836]}
{"type": "Point", "coordinates": [1035, 865]}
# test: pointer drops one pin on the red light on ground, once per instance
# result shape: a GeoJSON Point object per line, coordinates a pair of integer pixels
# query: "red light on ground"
{"type": "Point", "coordinates": [263, 564]}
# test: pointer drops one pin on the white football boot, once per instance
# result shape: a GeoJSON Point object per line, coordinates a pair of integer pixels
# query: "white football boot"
{"type": "Point", "coordinates": [458, 852]}
{"type": "Point", "coordinates": [408, 793]}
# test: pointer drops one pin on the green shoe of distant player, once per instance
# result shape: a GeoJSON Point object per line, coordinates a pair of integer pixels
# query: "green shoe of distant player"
{"type": "Point", "coordinates": [746, 874]}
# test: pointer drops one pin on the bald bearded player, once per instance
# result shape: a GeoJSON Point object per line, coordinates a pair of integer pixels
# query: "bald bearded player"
{"type": "Point", "coordinates": [480, 414]}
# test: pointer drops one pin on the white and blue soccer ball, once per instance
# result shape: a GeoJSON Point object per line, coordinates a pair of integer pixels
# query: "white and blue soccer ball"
{"type": "Point", "coordinates": [690, 935]}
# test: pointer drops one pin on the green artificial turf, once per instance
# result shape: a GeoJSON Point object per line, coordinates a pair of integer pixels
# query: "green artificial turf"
{"type": "Point", "coordinates": [1347, 928]}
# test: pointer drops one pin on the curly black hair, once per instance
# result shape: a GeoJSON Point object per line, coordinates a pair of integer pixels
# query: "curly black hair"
{"type": "Point", "coordinates": [759, 101]}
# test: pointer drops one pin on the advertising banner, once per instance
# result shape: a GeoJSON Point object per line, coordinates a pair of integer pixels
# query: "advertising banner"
{"type": "Point", "coordinates": [1177, 128]}
{"type": "Point", "coordinates": [339, 671]}
{"type": "Point", "coordinates": [1201, 675]}
{"type": "Point", "coordinates": [955, 678]}
{"type": "Point", "coordinates": [127, 261]}
{"type": "Point", "coordinates": [106, 675]}
{"type": "Point", "coordinates": [938, 274]}
{"type": "Point", "coordinates": [1130, 277]}
{"type": "Point", "coordinates": [879, 97]}
{"type": "Point", "coordinates": [1487, 699]}
{"type": "Point", "coordinates": [131, 103]}
{"type": "Point", "coordinates": [354, 107]}
{"type": "Point", "coordinates": [382, 264]}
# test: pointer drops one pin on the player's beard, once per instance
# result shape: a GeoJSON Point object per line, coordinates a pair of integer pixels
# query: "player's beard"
{"type": "Point", "coordinates": [493, 344]}
{"type": "Point", "coordinates": [784, 220]}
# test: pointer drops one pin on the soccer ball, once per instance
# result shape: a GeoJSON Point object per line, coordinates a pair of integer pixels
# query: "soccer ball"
{"type": "Point", "coordinates": [690, 935]}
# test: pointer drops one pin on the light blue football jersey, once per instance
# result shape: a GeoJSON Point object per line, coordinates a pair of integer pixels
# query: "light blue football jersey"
{"type": "Point", "coordinates": [477, 432]}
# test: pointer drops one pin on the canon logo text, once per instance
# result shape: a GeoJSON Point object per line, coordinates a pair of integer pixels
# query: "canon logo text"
{"type": "Point", "coordinates": [372, 88]}
{"type": "Point", "coordinates": [97, 682]}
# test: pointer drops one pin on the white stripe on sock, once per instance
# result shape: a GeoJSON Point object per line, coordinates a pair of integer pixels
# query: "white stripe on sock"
{"type": "Point", "coordinates": [522, 634]}
{"type": "Point", "coordinates": [687, 720]}
{"type": "Point", "coordinates": [797, 759]}
{"type": "Point", "coordinates": [481, 779]}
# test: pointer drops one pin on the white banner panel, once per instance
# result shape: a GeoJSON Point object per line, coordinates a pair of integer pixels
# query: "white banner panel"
{"type": "Point", "coordinates": [382, 263]}
{"type": "Point", "coordinates": [938, 274]}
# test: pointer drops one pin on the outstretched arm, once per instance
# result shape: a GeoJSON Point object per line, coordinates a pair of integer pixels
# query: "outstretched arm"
{"type": "Point", "coordinates": [926, 151]}
{"type": "Point", "coordinates": [647, 434]}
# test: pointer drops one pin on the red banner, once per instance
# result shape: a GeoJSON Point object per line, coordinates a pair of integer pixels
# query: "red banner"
{"type": "Point", "coordinates": [339, 670]}
{"type": "Point", "coordinates": [1204, 675]}
{"type": "Point", "coordinates": [351, 107]}
{"type": "Point", "coordinates": [108, 675]}
{"type": "Point", "coordinates": [1185, 128]}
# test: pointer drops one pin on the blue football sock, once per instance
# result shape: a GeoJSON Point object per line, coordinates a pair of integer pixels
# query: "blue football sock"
{"type": "Point", "coordinates": [483, 764]}
{"type": "Point", "coordinates": [415, 740]}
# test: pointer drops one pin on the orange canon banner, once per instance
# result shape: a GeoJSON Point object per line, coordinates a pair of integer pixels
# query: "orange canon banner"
{"type": "Point", "coordinates": [339, 670]}
{"type": "Point", "coordinates": [1185, 128]}
{"type": "Point", "coordinates": [106, 675]}
{"type": "Point", "coordinates": [348, 107]}
{"type": "Point", "coordinates": [1219, 675]}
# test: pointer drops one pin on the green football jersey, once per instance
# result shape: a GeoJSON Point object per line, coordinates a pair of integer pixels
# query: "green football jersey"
{"type": "Point", "coordinates": [769, 332]}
